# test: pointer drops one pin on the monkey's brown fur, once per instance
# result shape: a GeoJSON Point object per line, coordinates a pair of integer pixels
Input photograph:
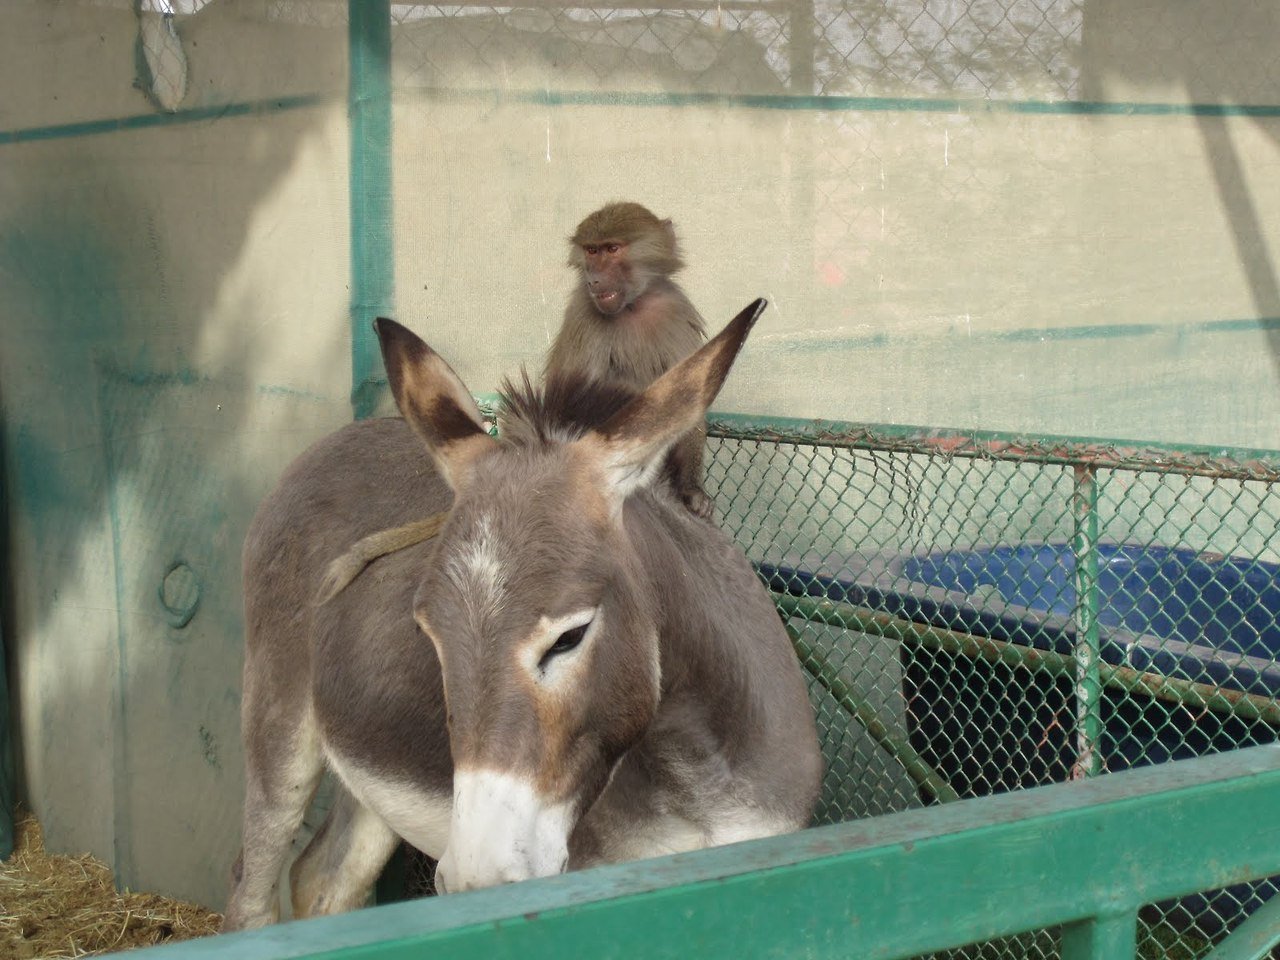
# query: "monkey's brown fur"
{"type": "Point", "coordinates": [651, 326]}
{"type": "Point", "coordinates": [627, 322]}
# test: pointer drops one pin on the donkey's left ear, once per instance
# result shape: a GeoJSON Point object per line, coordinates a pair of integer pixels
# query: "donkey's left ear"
{"type": "Point", "coordinates": [633, 443]}
{"type": "Point", "coordinates": [434, 401]}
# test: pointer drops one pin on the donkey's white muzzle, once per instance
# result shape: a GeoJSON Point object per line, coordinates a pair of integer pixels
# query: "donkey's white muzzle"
{"type": "Point", "coordinates": [502, 831]}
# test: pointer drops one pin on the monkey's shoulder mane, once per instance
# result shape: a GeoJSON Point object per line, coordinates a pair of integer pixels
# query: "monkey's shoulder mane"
{"type": "Point", "coordinates": [560, 410]}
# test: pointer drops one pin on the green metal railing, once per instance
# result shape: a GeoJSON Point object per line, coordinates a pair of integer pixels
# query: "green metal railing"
{"type": "Point", "coordinates": [1079, 860]}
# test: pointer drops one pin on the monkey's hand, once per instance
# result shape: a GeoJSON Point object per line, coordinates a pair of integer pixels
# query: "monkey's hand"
{"type": "Point", "coordinates": [699, 504]}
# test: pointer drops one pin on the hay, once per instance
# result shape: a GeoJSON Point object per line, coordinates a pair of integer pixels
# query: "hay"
{"type": "Point", "coordinates": [59, 906]}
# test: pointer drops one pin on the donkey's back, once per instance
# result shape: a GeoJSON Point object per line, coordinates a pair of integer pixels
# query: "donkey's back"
{"type": "Point", "coordinates": [316, 691]}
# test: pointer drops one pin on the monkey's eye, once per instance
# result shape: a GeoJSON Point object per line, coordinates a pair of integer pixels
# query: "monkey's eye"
{"type": "Point", "coordinates": [564, 643]}
{"type": "Point", "coordinates": [611, 248]}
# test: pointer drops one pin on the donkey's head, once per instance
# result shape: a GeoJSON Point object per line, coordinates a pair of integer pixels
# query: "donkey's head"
{"type": "Point", "coordinates": [543, 619]}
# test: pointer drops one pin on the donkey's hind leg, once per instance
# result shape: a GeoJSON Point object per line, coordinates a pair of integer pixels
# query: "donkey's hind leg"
{"type": "Point", "coordinates": [339, 866]}
{"type": "Point", "coordinates": [283, 764]}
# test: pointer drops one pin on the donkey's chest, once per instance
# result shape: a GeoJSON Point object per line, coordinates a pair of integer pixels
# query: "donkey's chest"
{"type": "Point", "coordinates": [658, 806]}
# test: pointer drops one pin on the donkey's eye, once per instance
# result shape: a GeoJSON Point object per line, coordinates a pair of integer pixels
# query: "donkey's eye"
{"type": "Point", "coordinates": [564, 643]}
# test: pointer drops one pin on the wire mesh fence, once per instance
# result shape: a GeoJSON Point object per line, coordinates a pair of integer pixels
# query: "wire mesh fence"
{"type": "Point", "coordinates": [984, 614]}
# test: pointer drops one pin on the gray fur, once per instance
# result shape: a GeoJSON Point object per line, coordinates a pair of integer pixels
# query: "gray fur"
{"type": "Point", "coordinates": [729, 729]}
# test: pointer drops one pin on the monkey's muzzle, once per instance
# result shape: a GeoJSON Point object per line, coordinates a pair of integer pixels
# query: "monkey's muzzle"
{"type": "Point", "coordinates": [608, 302]}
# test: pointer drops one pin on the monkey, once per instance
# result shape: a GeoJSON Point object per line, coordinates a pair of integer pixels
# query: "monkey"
{"type": "Point", "coordinates": [627, 322]}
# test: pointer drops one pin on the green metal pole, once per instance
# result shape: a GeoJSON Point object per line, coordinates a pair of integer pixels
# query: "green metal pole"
{"type": "Point", "coordinates": [1200, 696]}
{"type": "Point", "coordinates": [1254, 938]}
{"type": "Point", "coordinates": [372, 239]}
{"type": "Point", "coordinates": [1107, 937]}
{"type": "Point", "coordinates": [917, 768]}
{"type": "Point", "coordinates": [1088, 649]}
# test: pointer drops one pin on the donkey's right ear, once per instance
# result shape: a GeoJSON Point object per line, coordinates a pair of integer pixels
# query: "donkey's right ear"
{"type": "Point", "coordinates": [434, 401]}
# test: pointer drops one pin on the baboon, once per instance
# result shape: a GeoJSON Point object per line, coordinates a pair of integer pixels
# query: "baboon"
{"type": "Point", "coordinates": [626, 322]}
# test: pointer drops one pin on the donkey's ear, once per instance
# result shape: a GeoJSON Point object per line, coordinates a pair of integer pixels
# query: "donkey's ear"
{"type": "Point", "coordinates": [434, 401]}
{"type": "Point", "coordinates": [634, 441]}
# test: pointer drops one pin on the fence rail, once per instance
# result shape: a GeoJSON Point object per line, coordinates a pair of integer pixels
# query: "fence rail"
{"type": "Point", "coordinates": [1083, 857]}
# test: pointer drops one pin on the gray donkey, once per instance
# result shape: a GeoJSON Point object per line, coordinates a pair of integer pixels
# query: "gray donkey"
{"type": "Point", "coordinates": [576, 671]}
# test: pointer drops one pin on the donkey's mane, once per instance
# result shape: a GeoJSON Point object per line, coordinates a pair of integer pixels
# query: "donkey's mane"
{"type": "Point", "coordinates": [562, 409]}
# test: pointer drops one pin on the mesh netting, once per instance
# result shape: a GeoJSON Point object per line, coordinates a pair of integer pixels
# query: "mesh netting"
{"type": "Point", "coordinates": [978, 616]}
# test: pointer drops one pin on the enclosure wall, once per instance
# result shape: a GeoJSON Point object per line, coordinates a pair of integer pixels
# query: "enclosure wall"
{"type": "Point", "coordinates": [1002, 214]}
{"type": "Point", "coordinates": [173, 294]}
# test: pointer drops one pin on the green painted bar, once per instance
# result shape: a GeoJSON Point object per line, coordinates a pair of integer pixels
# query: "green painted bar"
{"type": "Point", "coordinates": [1220, 700]}
{"type": "Point", "coordinates": [147, 121]}
{"type": "Point", "coordinates": [1252, 462]}
{"type": "Point", "coordinates": [1253, 939]}
{"type": "Point", "coordinates": [1088, 647]}
{"type": "Point", "coordinates": [1048, 335]}
{"type": "Point", "coordinates": [876, 889]}
{"type": "Point", "coordinates": [1102, 452]}
{"type": "Point", "coordinates": [1111, 936]}
{"type": "Point", "coordinates": [547, 98]}
{"type": "Point", "coordinates": [898, 747]}
{"type": "Point", "coordinates": [842, 104]}
{"type": "Point", "coordinates": [372, 221]}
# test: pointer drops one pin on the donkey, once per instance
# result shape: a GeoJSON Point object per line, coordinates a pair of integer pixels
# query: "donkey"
{"type": "Point", "coordinates": [576, 671]}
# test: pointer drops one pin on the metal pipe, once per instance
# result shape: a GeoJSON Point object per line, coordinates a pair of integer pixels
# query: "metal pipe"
{"type": "Point", "coordinates": [1111, 936]}
{"type": "Point", "coordinates": [1254, 938]}
{"type": "Point", "coordinates": [1202, 696]}
{"type": "Point", "coordinates": [372, 238]}
{"type": "Point", "coordinates": [1233, 463]}
{"type": "Point", "coordinates": [1087, 650]}
{"type": "Point", "coordinates": [828, 676]}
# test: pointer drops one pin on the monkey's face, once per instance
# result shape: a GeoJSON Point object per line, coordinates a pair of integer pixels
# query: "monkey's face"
{"type": "Point", "coordinates": [606, 269]}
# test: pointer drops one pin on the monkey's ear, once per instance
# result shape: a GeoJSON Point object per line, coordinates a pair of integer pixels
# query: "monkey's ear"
{"type": "Point", "coordinates": [632, 444]}
{"type": "Point", "coordinates": [434, 401]}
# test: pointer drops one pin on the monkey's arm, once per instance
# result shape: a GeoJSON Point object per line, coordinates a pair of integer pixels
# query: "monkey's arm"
{"type": "Point", "coordinates": [685, 465]}
{"type": "Point", "coordinates": [348, 566]}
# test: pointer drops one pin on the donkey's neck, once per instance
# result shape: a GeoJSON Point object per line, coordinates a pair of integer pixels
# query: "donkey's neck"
{"type": "Point", "coordinates": [714, 665]}
{"type": "Point", "coordinates": [711, 766]}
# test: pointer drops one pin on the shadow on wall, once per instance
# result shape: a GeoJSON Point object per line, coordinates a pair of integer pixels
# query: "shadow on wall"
{"type": "Point", "coordinates": [174, 307]}
{"type": "Point", "coordinates": [1220, 55]}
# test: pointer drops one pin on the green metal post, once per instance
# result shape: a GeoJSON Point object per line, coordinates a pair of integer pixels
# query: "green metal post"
{"type": "Point", "coordinates": [372, 240]}
{"type": "Point", "coordinates": [1107, 937]}
{"type": "Point", "coordinates": [1084, 545]}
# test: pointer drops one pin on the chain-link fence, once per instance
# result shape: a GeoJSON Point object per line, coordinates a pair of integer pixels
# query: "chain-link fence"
{"type": "Point", "coordinates": [983, 614]}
